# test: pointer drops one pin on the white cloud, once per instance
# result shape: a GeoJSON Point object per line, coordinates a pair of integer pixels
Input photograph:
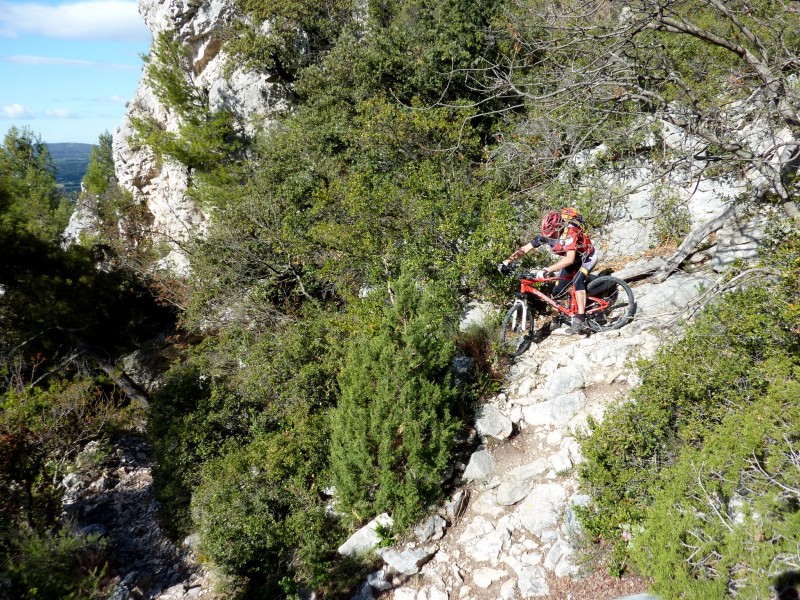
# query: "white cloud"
{"type": "Point", "coordinates": [116, 99]}
{"type": "Point", "coordinates": [61, 113]}
{"type": "Point", "coordinates": [15, 111]}
{"type": "Point", "coordinates": [26, 59]}
{"type": "Point", "coordinates": [116, 20]}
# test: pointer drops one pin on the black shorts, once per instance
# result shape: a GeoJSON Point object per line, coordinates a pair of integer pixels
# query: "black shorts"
{"type": "Point", "coordinates": [576, 273]}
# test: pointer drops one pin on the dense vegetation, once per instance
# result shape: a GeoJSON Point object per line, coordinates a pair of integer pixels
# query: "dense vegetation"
{"type": "Point", "coordinates": [697, 479]}
{"type": "Point", "coordinates": [423, 138]}
{"type": "Point", "coordinates": [63, 322]}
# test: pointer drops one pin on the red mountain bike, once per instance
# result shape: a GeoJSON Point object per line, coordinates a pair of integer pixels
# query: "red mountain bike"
{"type": "Point", "coordinates": [609, 305]}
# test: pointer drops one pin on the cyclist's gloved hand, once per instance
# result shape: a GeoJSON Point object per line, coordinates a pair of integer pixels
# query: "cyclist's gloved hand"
{"type": "Point", "coordinates": [542, 274]}
{"type": "Point", "coordinates": [504, 268]}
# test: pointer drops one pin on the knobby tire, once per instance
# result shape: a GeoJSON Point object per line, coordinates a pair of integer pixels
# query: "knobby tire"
{"type": "Point", "coordinates": [622, 305]}
{"type": "Point", "coordinates": [513, 339]}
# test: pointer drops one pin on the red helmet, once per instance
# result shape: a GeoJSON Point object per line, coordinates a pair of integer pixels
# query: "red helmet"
{"type": "Point", "coordinates": [551, 224]}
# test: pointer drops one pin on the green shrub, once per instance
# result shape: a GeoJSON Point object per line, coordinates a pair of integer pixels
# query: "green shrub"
{"type": "Point", "coordinates": [728, 519]}
{"type": "Point", "coordinates": [62, 566]}
{"type": "Point", "coordinates": [673, 220]}
{"type": "Point", "coordinates": [724, 364]}
{"type": "Point", "coordinates": [259, 511]}
{"type": "Point", "coordinates": [393, 427]}
{"type": "Point", "coordinates": [230, 388]}
{"type": "Point", "coordinates": [42, 429]}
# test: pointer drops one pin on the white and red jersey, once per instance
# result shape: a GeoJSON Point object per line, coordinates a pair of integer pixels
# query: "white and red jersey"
{"type": "Point", "coordinates": [571, 238]}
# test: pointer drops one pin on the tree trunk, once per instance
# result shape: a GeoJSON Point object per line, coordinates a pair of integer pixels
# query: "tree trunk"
{"type": "Point", "coordinates": [690, 243]}
{"type": "Point", "coordinates": [118, 376]}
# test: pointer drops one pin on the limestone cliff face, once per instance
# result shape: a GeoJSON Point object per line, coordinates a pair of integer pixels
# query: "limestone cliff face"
{"type": "Point", "coordinates": [162, 184]}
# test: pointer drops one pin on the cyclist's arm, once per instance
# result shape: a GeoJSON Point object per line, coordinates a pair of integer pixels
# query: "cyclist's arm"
{"type": "Point", "coordinates": [518, 253]}
{"type": "Point", "coordinates": [567, 260]}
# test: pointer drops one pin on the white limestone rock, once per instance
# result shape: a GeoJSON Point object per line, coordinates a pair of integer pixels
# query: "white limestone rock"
{"type": "Point", "coordinates": [564, 381]}
{"type": "Point", "coordinates": [365, 539]}
{"type": "Point", "coordinates": [409, 561]}
{"type": "Point", "coordinates": [481, 467]}
{"type": "Point", "coordinates": [431, 528]}
{"type": "Point", "coordinates": [491, 422]}
{"type": "Point", "coordinates": [484, 542]}
{"type": "Point", "coordinates": [508, 590]}
{"type": "Point", "coordinates": [532, 582]}
{"type": "Point", "coordinates": [557, 411]}
{"type": "Point", "coordinates": [542, 508]}
{"type": "Point", "coordinates": [161, 184]}
{"type": "Point", "coordinates": [485, 576]}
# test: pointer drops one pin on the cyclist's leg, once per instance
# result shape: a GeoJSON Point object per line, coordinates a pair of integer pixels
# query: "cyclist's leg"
{"type": "Point", "coordinates": [566, 277]}
{"type": "Point", "coordinates": [588, 263]}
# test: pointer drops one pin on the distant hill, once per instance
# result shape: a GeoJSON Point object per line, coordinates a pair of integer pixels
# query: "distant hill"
{"type": "Point", "coordinates": [71, 161]}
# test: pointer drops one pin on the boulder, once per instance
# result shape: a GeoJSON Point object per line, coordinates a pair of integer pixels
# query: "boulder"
{"type": "Point", "coordinates": [409, 561]}
{"type": "Point", "coordinates": [542, 508]}
{"type": "Point", "coordinates": [557, 411]}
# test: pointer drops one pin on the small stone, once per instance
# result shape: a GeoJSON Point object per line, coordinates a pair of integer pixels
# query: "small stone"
{"type": "Point", "coordinates": [485, 577]}
{"type": "Point", "coordinates": [491, 422]}
{"type": "Point", "coordinates": [481, 467]}
{"type": "Point", "coordinates": [542, 508]}
{"type": "Point", "coordinates": [379, 580]}
{"type": "Point", "coordinates": [508, 591]}
{"type": "Point", "coordinates": [554, 437]}
{"type": "Point", "coordinates": [408, 561]}
{"type": "Point", "coordinates": [436, 593]}
{"type": "Point", "coordinates": [366, 538]}
{"type": "Point", "coordinates": [431, 528]}
{"type": "Point", "coordinates": [560, 462]}
{"type": "Point", "coordinates": [532, 582]}
{"type": "Point", "coordinates": [405, 594]}
{"type": "Point", "coordinates": [457, 576]}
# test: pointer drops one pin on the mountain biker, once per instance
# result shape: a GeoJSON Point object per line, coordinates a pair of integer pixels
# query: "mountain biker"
{"type": "Point", "coordinates": [565, 236]}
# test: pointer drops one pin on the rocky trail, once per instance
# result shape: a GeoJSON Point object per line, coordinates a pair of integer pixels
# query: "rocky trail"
{"type": "Point", "coordinates": [510, 531]}
{"type": "Point", "coordinates": [115, 499]}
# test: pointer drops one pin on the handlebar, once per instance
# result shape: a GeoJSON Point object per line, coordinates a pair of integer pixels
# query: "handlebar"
{"type": "Point", "coordinates": [532, 275]}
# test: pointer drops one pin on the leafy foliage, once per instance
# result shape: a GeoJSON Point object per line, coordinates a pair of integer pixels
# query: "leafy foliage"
{"type": "Point", "coordinates": [258, 506]}
{"type": "Point", "coordinates": [62, 321]}
{"type": "Point", "coordinates": [727, 521]}
{"type": "Point", "coordinates": [54, 567]}
{"type": "Point", "coordinates": [100, 170]}
{"type": "Point", "coordinates": [235, 396]}
{"type": "Point", "coordinates": [394, 425]}
{"type": "Point", "coordinates": [395, 167]}
{"type": "Point", "coordinates": [29, 199]}
{"type": "Point", "coordinates": [299, 31]}
{"type": "Point", "coordinates": [208, 142]}
{"type": "Point", "coordinates": [738, 355]}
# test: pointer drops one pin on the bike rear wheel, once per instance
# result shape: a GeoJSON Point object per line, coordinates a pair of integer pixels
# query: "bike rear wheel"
{"type": "Point", "coordinates": [515, 337]}
{"type": "Point", "coordinates": [621, 305]}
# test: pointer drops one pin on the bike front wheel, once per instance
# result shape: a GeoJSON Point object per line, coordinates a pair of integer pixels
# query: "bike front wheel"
{"type": "Point", "coordinates": [609, 303]}
{"type": "Point", "coordinates": [515, 336]}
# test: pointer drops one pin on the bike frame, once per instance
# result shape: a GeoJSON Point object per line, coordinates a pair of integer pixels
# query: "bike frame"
{"type": "Point", "coordinates": [527, 288]}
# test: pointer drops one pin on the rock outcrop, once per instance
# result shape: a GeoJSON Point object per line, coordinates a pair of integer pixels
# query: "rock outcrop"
{"type": "Point", "coordinates": [161, 184]}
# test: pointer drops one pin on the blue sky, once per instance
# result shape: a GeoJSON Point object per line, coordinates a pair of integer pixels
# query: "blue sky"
{"type": "Point", "coordinates": [67, 68]}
